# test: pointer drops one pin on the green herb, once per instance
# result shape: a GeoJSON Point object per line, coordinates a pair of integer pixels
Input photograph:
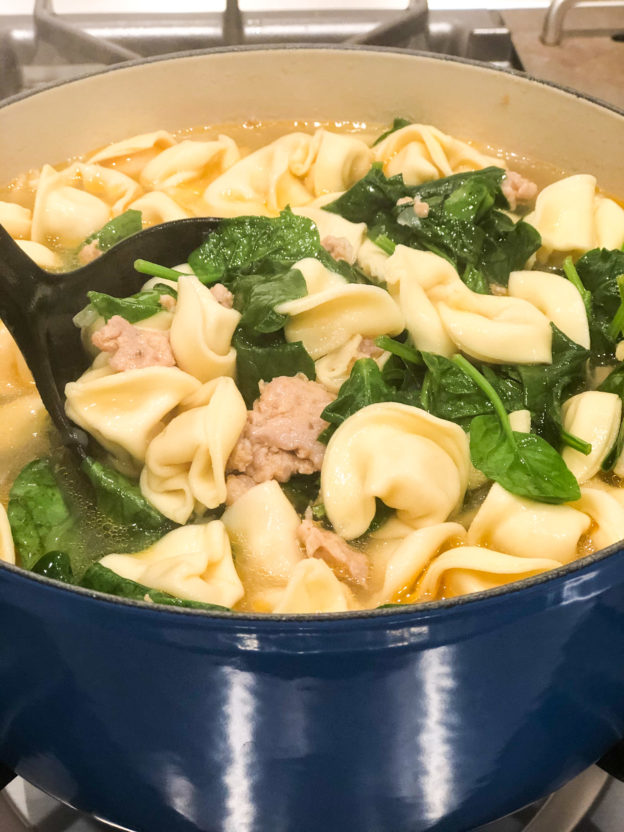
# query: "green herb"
{"type": "Point", "coordinates": [134, 308]}
{"type": "Point", "coordinates": [573, 276]}
{"type": "Point", "coordinates": [256, 296]}
{"type": "Point", "coordinates": [39, 516]}
{"type": "Point", "coordinates": [546, 386]}
{"type": "Point", "coordinates": [261, 359]}
{"type": "Point", "coordinates": [318, 512]}
{"type": "Point", "coordinates": [102, 579]}
{"type": "Point", "coordinates": [351, 272]}
{"type": "Point", "coordinates": [364, 386]}
{"type": "Point", "coordinates": [121, 500]}
{"type": "Point", "coordinates": [450, 393]}
{"type": "Point", "coordinates": [404, 351]}
{"type": "Point", "coordinates": [153, 269]}
{"type": "Point", "coordinates": [462, 224]}
{"type": "Point", "coordinates": [56, 565]}
{"type": "Point", "coordinates": [523, 463]}
{"type": "Point", "coordinates": [117, 229]}
{"type": "Point", "coordinates": [242, 244]}
{"type": "Point", "coordinates": [397, 124]}
{"type": "Point", "coordinates": [302, 490]}
{"type": "Point", "coordinates": [617, 324]}
{"type": "Point", "coordinates": [475, 280]}
{"type": "Point", "coordinates": [598, 271]}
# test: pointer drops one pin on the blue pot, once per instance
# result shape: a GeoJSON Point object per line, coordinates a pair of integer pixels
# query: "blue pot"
{"type": "Point", "coordinates": [439, 717]}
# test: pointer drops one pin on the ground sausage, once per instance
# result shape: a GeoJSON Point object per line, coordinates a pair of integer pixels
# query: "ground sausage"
{"type": "Point", "coordinates": [237, 485]}
{"type": "Point", "coordinates": [281, 435]}
{"type": "Point", "coordinates": [222, 295]}
{"type": "Point", "coordinates": [132, 348]}
{"type": "Point", "coordinates": [339, 247]}
{"type": "Point", "coordinates": [348, 563]}
{"type": "Point", "coordinates": [518, 189]}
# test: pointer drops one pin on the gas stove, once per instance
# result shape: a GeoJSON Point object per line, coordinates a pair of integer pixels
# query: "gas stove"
{"type": "Point", "coordinates": [592, 802]}
{"type": "Point", "coordinates": [62, 39]}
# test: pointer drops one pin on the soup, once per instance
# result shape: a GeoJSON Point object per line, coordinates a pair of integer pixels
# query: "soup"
{"type": "Point", "coordinates": [390, 376]}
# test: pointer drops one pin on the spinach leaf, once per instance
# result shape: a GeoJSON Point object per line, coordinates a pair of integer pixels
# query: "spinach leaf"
{"type": "Point", "coordinates": [55, 565]}
{"type": "Point", "coordinates": [102, 579]}
{"type": "Point", "coordinates": [408, 353]}
{"type": "Point", "coordinates": [134, 308]}
{"type": "Point", "coordinates": [523, 463]}
{"type": "Point", "coordinates": [364, 386]}
{"type": "Point", "coordinates": [302, 490]}
{"type": "Point", "coordinates": [256, 296]}
{"type": "Point", "coordinates": [351, 272]}
{"type": "Point", "coordinates": [397, 124]}
{"type": "Point", "coordinates": [264, 358]}
{"type": "Point", "coordinates": [598, 271]}
{"type": "Point", "coordinates": [475, 280]}
{"type": "Point", "coordinates": [241, 244]}
{"type": "Point", "coordinates": [451, 394]}
{"type": "Point", "coordinates": [121, 500]}
{"type": "Point", "coordinates": [39, 516]}
{"type": "Point", "coordinates": [547, 385]}
{"type": "Point", "coordinates": [462, 224]}
{"type": "Point", "coordinates": [117, 229]}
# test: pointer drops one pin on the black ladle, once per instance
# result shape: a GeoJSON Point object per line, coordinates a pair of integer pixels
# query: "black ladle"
{"type": "Point", "coordinates": [38, 306]}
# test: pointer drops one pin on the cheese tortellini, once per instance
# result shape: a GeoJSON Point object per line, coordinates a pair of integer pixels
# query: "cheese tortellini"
{"type": "Point", "coordinates": [185, 463]}
{"type": "Point", "coordinates": [573, 218]}
{"type": "Point", "coordinates": [423, 471]}
{"type": "Point", "coordinates": [193, 562]}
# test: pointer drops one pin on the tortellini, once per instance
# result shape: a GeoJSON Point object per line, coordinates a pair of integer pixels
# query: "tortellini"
{"type": "Point", "coordinates": [201, 332]}
{"type": "Point", "coordinates": [15, 219]}
{"type": "Point", "coordinates": [595, 417]}
{"type": "Point", "coordinates": [292, 170]}
{"type": "Point", "coordinates": [313, 587]}
{"type": "Point", "coordinates": [443, 315]}
{"type": "Point", "coordinates": [421, 152]}
{"type": "Point", "coordinates": [422, 472]}
{"type": "Point", "coordinates": [522, 528]}
{"type": "Point", "coordinates": [607, 516]}
{"type": "Point", "coordinates": [193, 563]}
{"type": "Point", "coordinates": [340, 236]}
{"type": "Point", "coordinates": [189, 161]}
{"type": "Point", "coordinates": [185, 463]}
{"type": "Point", "coordinates": [124, 411]}
{"type": "Point", "coordinates": [556, 298]}
{"type": "Point", "coordinates": [157, 207]}
{"type": "Point", "coordinates": [131, 155]}
{"type": "Point", "coordinates": [262, 525]}
{"type": "Point", "coordinates": [326, 320]}
{"type": "Point", "coordinates": [333, 369]}
{"type": "Point", "coordinates": [407, 562]}
{"type": "Point", "coordinates": [474, 569]}
{"type": "Point", "coordinates": [573, 218]}
{"type": "Point", "coordinates": [73, 203]}
{"type": "Point", "coordinates": [15, 377]}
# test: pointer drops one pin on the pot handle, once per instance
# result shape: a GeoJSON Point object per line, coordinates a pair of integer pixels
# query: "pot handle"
{"type": "Point", "coordinates": [613, 761]}
{"type": "Point", "coordinates": [6, 775]}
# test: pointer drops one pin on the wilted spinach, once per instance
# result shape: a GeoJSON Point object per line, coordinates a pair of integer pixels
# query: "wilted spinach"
{"type": "Point", "coordinates": [101, 579]}
{"type": "Point", "coordinates": [133, 308]}
{"type": "Point", "coordinates": [523, 463]}
{"type": "Point", "coordinates": [397, 124]}
{"type": "Point", "coordinates": [115, 230]}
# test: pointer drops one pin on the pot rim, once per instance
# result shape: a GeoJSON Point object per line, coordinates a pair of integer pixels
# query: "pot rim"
{"type": "Point", "coordinates": [554, 578]}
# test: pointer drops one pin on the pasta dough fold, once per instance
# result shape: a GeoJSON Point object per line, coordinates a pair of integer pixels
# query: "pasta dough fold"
{"type": "Point", "coordinates": [523, 527]}
{"type": "Point", "coordinates": [124, 411]}
{"type": "Point", "coordinates": [421, 152]}
{"type": "Point", "coordinates": [193, 563]}
{"type": "Point", "coordinates": [573, 218]}
{"type": "Point", "coordinates": [201, 332]}
{"type": "Point", "coordinates": [422, 472]}
{"type": "Point", "coordinates": [185, 463]}
{"type": "Point", "coordinates": [595, 417]}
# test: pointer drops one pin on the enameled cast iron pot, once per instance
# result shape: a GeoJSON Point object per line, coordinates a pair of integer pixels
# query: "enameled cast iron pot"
{"type": "Point", "coordinates": [436, 717]}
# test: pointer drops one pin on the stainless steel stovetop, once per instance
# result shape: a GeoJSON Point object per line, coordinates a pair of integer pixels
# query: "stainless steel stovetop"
{"type": "Point", "coordinates": [70, 37]}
